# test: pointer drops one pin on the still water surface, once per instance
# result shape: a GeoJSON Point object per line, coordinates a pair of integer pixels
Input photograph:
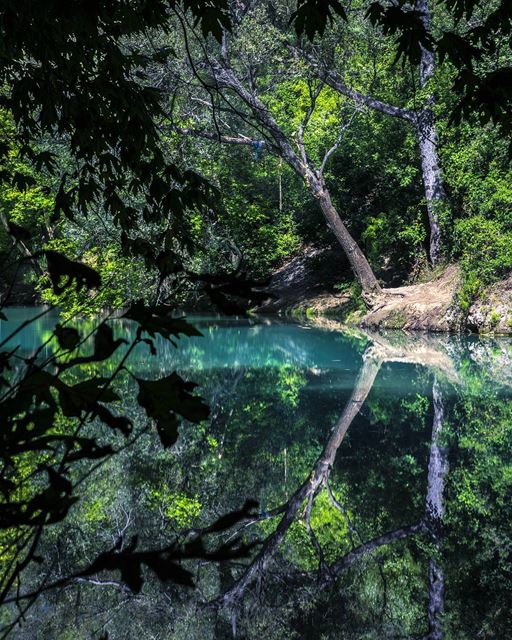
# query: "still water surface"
{"type": "Point", "coordinates": [382, 465]}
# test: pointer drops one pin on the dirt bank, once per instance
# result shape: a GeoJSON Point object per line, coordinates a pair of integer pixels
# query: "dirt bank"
{"type": "Point", "coordinates": [428, 306]}
{"type": "Point", "coordinates": [301, 287]}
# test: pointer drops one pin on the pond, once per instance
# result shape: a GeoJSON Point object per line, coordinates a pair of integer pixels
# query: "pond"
{"type": "Point", "coordinates": [382, 468]}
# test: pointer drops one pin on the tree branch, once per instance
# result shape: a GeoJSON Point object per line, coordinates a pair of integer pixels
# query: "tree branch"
{"type": "Point", "coordinates": [341, 135]}
{"type": "Point", "coordinates": [226, 77]}
{"type": "Point", "coordinates": [300, 132]}
{"type": "Point", "coordinates": [336, 82]}
{"type": "Point", "coordinates": [218, 137]}
{"type": "Point", "coordinates": [348, 560]}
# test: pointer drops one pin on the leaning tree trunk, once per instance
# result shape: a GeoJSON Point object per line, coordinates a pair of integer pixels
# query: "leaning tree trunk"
{"type": "Point", "coordinates": [428, 141]}
{"type": "Point", "coordinates": [358, 262]}
{"type": "Point", "coordinates": [312, 177]}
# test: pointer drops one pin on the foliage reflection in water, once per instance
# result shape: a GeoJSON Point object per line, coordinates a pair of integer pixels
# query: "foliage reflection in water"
{"type": "Point", "coordinates": [382, 465]}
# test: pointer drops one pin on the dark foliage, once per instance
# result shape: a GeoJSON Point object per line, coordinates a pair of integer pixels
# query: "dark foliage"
{"type": "Point", "coordinates": [483, 90]}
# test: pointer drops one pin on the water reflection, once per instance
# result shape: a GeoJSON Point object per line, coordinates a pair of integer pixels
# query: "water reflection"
{"type": "Point", "coordinates": [382, 464]}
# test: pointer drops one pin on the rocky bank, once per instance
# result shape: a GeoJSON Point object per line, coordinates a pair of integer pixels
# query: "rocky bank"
{"type": "Point", "coordinates": [307, 285]}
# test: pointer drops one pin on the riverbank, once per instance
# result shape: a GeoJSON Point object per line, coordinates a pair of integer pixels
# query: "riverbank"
{"type": "Point", "coordinates": [431, 305]}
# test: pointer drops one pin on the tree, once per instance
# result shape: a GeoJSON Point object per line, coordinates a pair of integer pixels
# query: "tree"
{"type": "Point", "coordinates": [422, 118]}
{"type": "Point", "coordinates": [228, 77]}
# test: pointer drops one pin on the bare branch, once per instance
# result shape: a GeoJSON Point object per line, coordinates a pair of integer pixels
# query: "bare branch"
{"type": "Point", "coordinates": [300, 132]}
{"type": "Point", "coordinates": [341, 135]}
{"type": "Point", "coordinates": [337, 505]}
{"type": "Point", "coordinates": [322, 565]}
{"type": "Point", "coordinates": [336, 82]}
{"type": "Point", "coordinates": [218, 137]}
{"type": "Point", "coordinates": [348, 560]}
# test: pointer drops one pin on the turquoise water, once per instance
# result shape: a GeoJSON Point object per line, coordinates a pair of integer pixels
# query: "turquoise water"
{"type": "Point", "coordinates": [400, 445]}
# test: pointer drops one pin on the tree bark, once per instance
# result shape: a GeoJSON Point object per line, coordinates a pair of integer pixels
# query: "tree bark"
{"type": "Point", "coordinates": [432, 180]}
{"type": "Point", "coordinates": [341, 565]}
{"type": "Point", "coordinates": [358, 262]}
{"type": "Point", "coordinates": [435, 508]}
{"type": "Point", "coordinates": [428, 142]}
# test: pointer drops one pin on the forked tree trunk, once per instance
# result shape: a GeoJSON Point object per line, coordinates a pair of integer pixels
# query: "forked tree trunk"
{"type": "Point", "coordinates": [426, 132]}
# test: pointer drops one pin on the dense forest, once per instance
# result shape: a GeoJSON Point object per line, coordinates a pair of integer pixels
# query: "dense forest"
{"type": "Point", "coordinates": [346, 140]}
{"type": "Point", "coordinates": [213, 214]}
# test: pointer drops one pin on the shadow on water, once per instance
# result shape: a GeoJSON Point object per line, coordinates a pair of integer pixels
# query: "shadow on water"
{"type": "Point", "coordinates": [382, 466]}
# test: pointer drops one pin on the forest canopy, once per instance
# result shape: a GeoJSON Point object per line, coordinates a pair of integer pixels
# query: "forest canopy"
{"type": "Point", "coordinates": [255, 129]}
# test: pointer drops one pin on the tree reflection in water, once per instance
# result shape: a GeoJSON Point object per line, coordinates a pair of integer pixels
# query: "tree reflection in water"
{"type": "Point", "coordinates": [365, 530]}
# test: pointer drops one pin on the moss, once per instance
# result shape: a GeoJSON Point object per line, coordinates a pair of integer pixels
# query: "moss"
{"type": "Point", "coordinates": [494, 318]}
{"type": "Point", "coordinates": [396, 320]}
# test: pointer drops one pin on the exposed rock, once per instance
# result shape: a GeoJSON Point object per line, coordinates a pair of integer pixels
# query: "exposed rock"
{"type": "Point", "coordinates": [492, 313]}
{"type": "Point", "coordinates": [306, 284]}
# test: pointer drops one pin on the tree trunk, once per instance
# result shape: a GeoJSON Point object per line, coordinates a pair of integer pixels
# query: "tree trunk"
{"type": "Point", "coordinates": [426, 132]}
{"type": "Point", "coordinates": [427, 140]}
{"type": "Point", "coordinates": [225, 77]}
{"type": "Point", "coordinates": [319, 475]}
{"type": "Point", "coordinates": [358, 262]}
{"type": "Point", "coordinates": [432, 180]}
{"type": "Point", "coordinates": [435, 508]}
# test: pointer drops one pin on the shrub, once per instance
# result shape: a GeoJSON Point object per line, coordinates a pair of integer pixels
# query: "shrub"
{"type": "Point", "coordinates": [484, 249]}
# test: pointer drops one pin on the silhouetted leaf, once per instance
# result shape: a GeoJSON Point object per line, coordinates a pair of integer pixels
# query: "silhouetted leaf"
{"type": "Point", "coordinates": [158, 320]}
{"type": "Point", "coordinates": [18, 233]}
{"type": "Point", "coordinates": [104, 347]}
{"type": "Point", "coordinates": [312, 16]}
{"type": "Point", "coordinates": [461, 8]}
{"type": "Point", "coordinates": [166, 399]}
{"type": "Point", "coordinates": [168, 263]}
{"type": "Point", "coordinates": [406, 24]}
{"type": "Point", "coordinates": [63, 272]}
{"type": "Point", "coordinates": [67, 337]}
{"type": "Point", "coordinates": [104, 343]}
{"type": "Point", "coordinates": [118, 423]}
{"type": "Point", "coordinates": [455, 48]}
{"type": "Point", "coordinates": [83, 396]}
{"type": "Point", "coordinates": [59, 482]}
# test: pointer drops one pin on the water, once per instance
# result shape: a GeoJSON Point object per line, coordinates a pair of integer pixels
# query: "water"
{"type": "Point", "coordinates": [388, 454]}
